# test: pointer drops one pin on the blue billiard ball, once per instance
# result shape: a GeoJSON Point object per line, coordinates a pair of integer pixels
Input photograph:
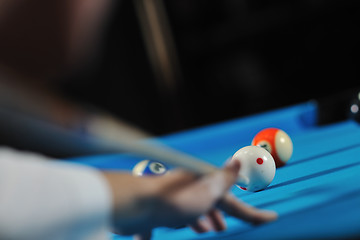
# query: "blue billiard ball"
{"type": "Point", "coordinates": [148, 167]}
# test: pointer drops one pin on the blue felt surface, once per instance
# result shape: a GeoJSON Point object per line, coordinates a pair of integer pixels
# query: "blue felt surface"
{"type": "Point", "coordinates": [317, 194]}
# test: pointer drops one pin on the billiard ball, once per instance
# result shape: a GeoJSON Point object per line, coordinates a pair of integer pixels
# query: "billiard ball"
{"type": "Point", "coordinates": [277, 143]}
{"type": "Point", "coordinates": [148, 167]}
{"type": "Point", "coordinates": [355, 108]}
{"type": "Point", "coordinates": [257, 168]}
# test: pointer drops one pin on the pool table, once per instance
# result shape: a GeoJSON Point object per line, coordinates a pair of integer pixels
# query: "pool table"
{"type": "Point", "coordinates": [317, 194]}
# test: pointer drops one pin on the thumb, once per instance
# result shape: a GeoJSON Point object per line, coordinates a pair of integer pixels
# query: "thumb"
{"type": "Point", "coordinates": [231, 172]}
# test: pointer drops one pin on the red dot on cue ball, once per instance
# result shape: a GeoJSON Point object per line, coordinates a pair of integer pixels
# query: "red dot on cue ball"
{"type": "Point", "coordinates": [259, 161]}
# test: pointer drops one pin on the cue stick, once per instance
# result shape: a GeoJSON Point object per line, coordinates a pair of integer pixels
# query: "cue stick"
{"type": "Point", "coordinates": [58, 138]}
{"type": "Point", "coordinates": [157, 151]}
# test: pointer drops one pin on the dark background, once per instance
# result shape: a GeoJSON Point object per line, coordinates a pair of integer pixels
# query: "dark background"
{"type": "Point", "coordinates": [235, 58]}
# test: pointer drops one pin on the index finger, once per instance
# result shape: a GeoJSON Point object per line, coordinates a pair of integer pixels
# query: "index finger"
{"type": "Point", "coordinates": [241, 210]}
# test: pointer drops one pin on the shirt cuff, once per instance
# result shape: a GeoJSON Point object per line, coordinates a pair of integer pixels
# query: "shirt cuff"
{"type": "Point", "coordinates": [47, 199]}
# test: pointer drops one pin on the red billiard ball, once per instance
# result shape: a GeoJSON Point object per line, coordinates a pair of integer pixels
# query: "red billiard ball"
{"type": "Point", "coordinates": [277, 143]}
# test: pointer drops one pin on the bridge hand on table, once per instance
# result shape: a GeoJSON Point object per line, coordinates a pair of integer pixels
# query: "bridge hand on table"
{"type": "Point", "coordinates": [176, 199]}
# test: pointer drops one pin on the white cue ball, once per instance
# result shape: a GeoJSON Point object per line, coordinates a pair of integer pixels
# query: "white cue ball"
{"type": "Point", "coordinates": [257, 168]}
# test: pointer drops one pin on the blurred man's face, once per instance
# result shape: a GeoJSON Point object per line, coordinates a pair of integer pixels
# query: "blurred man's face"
{"type": "Point", "coordinates": [41, 38]}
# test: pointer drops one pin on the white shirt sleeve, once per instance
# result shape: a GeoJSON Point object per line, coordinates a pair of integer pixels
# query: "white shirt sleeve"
{"type": "Point", "coordinates": [48, 199]}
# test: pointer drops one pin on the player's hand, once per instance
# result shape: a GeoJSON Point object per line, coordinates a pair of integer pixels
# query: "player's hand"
{"type": "Point", "coordinates": [181, 198]}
